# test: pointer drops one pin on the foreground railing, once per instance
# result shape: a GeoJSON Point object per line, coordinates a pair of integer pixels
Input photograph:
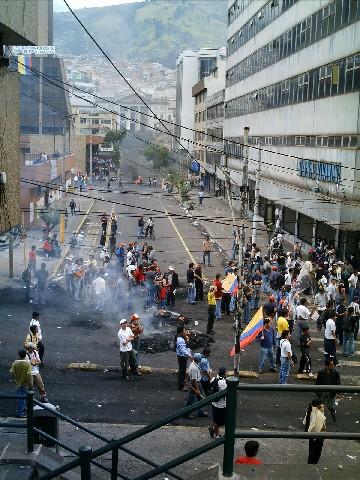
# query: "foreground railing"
{"type": "Point", "coordinates": [87, 457]}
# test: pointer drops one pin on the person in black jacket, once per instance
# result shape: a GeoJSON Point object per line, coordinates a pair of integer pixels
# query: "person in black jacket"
{"type": "Point", "coordinates": [328, 376]}
{"type": "Point", "coordinates": [173, 280]}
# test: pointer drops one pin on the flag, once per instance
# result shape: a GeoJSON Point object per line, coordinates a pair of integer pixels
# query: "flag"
{"type": "Point", "coordinates": [251, 330]}
{"type": "Point", "coordinates": [229, 282]}
{"type": "Point", "coordinates": [24, 64]}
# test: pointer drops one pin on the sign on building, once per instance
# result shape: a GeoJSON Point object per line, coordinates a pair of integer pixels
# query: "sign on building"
{"type": "Point", "coordinates": [33, 50]}
{"type": "Point", "coordinates": [321, 171]}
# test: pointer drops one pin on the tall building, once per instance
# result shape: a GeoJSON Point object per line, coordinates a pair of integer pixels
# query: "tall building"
{"type": "Point", "coordinates": [192, 66]}
{"type": "Point", "coordinates": [18, 26]}
{"type": "Point", "coordinates": [293, 77]}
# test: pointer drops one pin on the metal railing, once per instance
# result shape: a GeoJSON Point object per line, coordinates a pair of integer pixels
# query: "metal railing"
{"type": "Point", "coordinates": [86, 456]}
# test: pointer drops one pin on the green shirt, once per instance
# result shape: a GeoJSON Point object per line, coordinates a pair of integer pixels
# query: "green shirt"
{"type": "Point", "coordinates": [21, 370]}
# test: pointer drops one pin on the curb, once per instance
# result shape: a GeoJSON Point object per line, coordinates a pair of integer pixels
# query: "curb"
{"type": "Point", "coordinates": [67, 249]}
{"type": "Point", "coordinates": [95, 367]}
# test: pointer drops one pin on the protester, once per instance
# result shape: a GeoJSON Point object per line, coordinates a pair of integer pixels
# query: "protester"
{"type": "Point", "coordinates": [315, 421]}
{"type": "Point", "coordinates": [251, 449]}
{"type": "Point", "coordinates": [72, 206]}
{"type": "Point", "coordinates": [267, 343]}
{"type": "Point", "coordinates": [40, 344]}
{"type": "Point", "coordinates": [125, 337]}
{"type": "Point", "coordinates": [330, 338]}
{"type": "Point", "coordinates": [195, 392]}
{"type": "Point", "coordinates": [207, 248]}
{"type": "Point", "coordinates": [32, 258]}
{"type": "Point", "coordinates": [99, 290]}
{"type": "Point", "coordinates": [211, 310]}
{"type": "Point", "coordinates": [137, 330]}
{"type": "Point", "coordinates": [190, 277]}
{"type": "Point", "coordinates": [218, 407]}
{"type": "Point", "coordinates": [34, 360]}
{"type": "Point", "coordinates": [218, 293]}
{"type": "Point", "coordinates": [21, 371]}
{"type": "Point", "coordinates": [205, 370]}
{"type": "Point", "coordinates": [285, 357]}
{"type": "Point", "coordinates": [173, 279]}
{"type": "Point", "coordinates": [350, 329]}
{"type": "Point", "coordinates": [305, 361]}
{"type": "Point", "coordinates": [199, 284]}
{"type": "Point", "coordinates": [183, 353]}
{"type": "Point", "coordinates": [328, 376]}
{"type": "Point", "coordinates": [26, 278]}
{"type": "Point", "coordinates": [68, 273]}
{"type": "Point", "coordinates": [42, 279]}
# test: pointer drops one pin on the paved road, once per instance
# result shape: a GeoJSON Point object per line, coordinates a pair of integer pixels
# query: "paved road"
{"type": "Point", "coordinates": [75, 333]}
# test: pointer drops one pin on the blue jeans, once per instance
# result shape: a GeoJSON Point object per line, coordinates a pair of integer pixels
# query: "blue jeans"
{"type": "Point", "coordinates": [255, 300]}
{"type": "Point", "coordinates": [191, 399]}
{"type": "Point", "coordinates": [348, 343]}
{"type": "Point", "coordinates": [208, 255]}
{"type": "Point", "coordinates": [218, 309]}
{"type": "Point", "coordinates": [351, 294]}
{"type": "Point", "coordinates": [20, 406]}
{"type": "Point", "coordinates": [100, 301]}
{"type": "Point", "coordinates": [266, 353]}
{"type": "Point", "coordinates": [246, 313]}
{"type": "Point", "coordinates": [232, 304]}
{"type": "Point", "coordinates": [284, 370]}
{"type": "Point", "coordinates": [140, 232]}
{"type": "Point", "coordinates": [191, 293]}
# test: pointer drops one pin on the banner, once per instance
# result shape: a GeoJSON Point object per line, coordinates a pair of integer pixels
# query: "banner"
{"type": "Point", "coordinates": [24, 64]}
{"type": "Point", "coordinates": [251, 330]}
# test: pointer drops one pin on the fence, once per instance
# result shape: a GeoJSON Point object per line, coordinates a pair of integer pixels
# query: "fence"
{"type": "Point", "coordinates": [86, 457]}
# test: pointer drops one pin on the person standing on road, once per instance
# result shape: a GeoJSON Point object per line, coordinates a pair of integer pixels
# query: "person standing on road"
{"type": "Point", "coordinates": [21, 371]}
{"type": "Point", "coordinates": [219, 407]}
{"type": "Point", "coordinates": [199, 284]}
{"type": "Point", "coordinates": [42, 278]}
{"type": "Point", "coordinates": [113, 223]}
{"type": "Point", "coordinates": [328, 376]}
{"type": "Point", "coordinates": [32, 259]}
{"type": "Point", "coordinates": [302, 315]}
{"type": "Point", "coordinates": [190, 278]}
{"type": "Point", "coordinates": [305, 361]}
{"type": "Point", "coordinates": [207, 247]}
{"type": "Point", "coordinates": [267, 343]}
{"type": "Point", "coordinates": [125, 336]}
{"type": "Point", "coordinates": [137, 330]}
{"type": "Point", "coordinates": [26, 278]}
{"type": "Point", "coordinates": [205, 370]}
{"type": "Point", "coordinates": [68, 273]}
{"type": "Point", "coordinates": [104, 222]}
{"type": "Point", "coordinates": [218, 295]}
{"type": "Point", "coordinates": [350, 331]}
{"type": "Point", "coordinates": [330, 338]}
{"type": "Point", "coordinates": [78, 274]}
{"type": "Point", "coordinates": [72, 206]}
{"type": "Point", "coordinates": [173, 280]}
{"type": "Point", "coordinates": [34, 360]}
{"type": "Point", "coordinates": [40, 343]}
{"type": "Point", "coordinates": [211, 310]}
{"type": "Point", "coordinates": [99, 290]}
{"type": "Point", "coordinates": [195, 393]}
{"type": "Point", "coordinates": [141, 223]}
{"type": "Point", "coordinates": [315, 421]}
{"type": "Point", "coordinates": [89, 277]}
{"type": "Point", "coordinates": [286, 357]}
{"type": "Point", "coordinates": [201, 196]}
{"type": "Point", "coordinates": [183, 353]}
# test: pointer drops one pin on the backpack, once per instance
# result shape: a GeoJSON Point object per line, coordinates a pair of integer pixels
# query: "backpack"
{"type": "Point", "coordinates": [214, 386]}
{"type": "Point", "coordinates": [347, 324]}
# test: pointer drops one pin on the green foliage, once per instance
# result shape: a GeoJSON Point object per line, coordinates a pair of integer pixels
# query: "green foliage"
{"type": "Point", "coordinates": [50, 217]}
{"type": "Point", "coordinates": [158, 154]}
{"type": "Point", "coordinates": [177, 179]}
{"type": "Point", "coordinates": [116, 156]}
{"type": "Point", "coordinates": [113, 136]}
{"type": "Point", "coordinates": [154, 31]}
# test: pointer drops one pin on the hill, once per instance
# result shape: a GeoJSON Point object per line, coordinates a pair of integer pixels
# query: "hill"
{"type": "Point", "coordinates": [154, 30]}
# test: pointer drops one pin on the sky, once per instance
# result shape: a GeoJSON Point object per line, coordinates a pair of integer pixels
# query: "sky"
{"type": "Point", "coordinates": [59, 5]}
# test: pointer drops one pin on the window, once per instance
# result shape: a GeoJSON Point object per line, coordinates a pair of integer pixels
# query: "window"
{"type": "Point", "coordinates": [82, 120]}
{"type": "Point", "coordinates": [328, 19]}
{"type": "Point", "coordinates": [300, 141]}
{"type": "Point", "coordinates": [268, 140]}
{"type": "Point", "coordinates": [328, 11]}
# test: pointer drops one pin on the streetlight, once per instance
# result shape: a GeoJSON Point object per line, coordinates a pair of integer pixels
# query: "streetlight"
{"type": "Point", "coordinates": [54, 113]}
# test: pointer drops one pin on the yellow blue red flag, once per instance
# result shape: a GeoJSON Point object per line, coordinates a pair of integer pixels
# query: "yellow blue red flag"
{"type": "Point", "coordinates": [251, 330]}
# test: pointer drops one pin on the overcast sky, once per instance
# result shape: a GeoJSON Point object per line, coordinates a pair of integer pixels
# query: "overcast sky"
{"type": "Point", "coordinates": [59, 5]}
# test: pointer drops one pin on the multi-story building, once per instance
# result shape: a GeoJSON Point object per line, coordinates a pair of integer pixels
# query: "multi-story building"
{"type": "Point", "coordinates": [293, 78]}
{"type": "Point", "coordinates": [18, 26]}
{"type": "Point", "coordinates": [93, 122]}
{"type": "Point", "coordinates": [192, 67]}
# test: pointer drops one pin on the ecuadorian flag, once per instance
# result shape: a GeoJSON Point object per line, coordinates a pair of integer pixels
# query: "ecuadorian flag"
{"type": "Point", "coordinates": [230, 284]}
{"type": "Point", "coordinates": [252, 329]}
{"type": "Point", "coordinates": [24, 64]}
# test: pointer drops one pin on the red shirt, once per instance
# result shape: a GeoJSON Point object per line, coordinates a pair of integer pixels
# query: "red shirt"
{"type": "Point", "coordinates": [248, 461]}
{"type": "Point", "coordinates": [218, 292]}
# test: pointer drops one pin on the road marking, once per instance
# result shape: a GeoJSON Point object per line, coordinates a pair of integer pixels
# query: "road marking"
{"type": "Point", "coordinates": [180, 237]}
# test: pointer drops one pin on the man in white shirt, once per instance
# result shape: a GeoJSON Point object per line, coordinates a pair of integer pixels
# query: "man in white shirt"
{"type": "Point", "coordinates": [285, 357]}
{"type": "Point", "coordinates": [35, 321]}
{"type": "Point", "coordinates": [302, 315]}
{"type": "Point", "coordinates": [353, 281]}
{"type": "Point", "coordinates": [330, 339]}
{"type": "Point", "coordinates": [195, 391]}
{"type": "Point", "coordinates": [218, 407]}
{"type": "Point", "coordinates": [125, 336]}
{"type": "Point", "coordinates": [331, 290]}
{"type": "Point", "coordinates": [99, 290]}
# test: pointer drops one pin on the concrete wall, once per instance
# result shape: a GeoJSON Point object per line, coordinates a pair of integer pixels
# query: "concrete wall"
{"type": "Point", "coordinates": [19, 21]}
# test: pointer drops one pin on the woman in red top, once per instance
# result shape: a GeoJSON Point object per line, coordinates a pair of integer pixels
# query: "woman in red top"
{"type": "Point", "coordinates": [47, 248]}
{"type": "Point", "coordinates": [163, 291]}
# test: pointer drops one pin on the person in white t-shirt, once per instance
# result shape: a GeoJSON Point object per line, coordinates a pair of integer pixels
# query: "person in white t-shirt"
{"type": "Point", "coordinates": [125, 336]}
{"type": "Point", "coordinates": [99, 286]}
{"type": "Point", "coordinates": [285, 357]}
{"type": "Point", "coordinates": [330, 338]}
{"type": "Point", "coordinates": [219, 407]}
{"type": "Point", "coordinates": [35, 321]}
{"type": "Point", "coordinates": [302, 315]}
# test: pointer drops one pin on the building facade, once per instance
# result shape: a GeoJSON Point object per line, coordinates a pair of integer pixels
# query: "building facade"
{"type": "Point", "coordinates": [192, 66]}
{"type": "Point", "coordinates": [293, 77]}
{"type": "Point", "coordinates": [18, 26]}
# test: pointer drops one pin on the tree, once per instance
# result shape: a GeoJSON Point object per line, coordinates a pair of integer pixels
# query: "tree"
{"type": "Point", "coordinates": [114, 137]}
{"type": "Point", "coordinates": [158, 154]}
{"type": "Point", "coordinates": [50, 216]}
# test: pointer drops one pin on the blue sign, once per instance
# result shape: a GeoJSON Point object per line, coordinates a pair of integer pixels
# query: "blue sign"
{"type": "Point", "coordinates": [195, 166]}
{"type": "Point", "coordinates": [321, 171]}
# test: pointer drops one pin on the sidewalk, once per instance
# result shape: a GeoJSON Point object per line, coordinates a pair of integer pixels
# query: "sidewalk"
{"type": "Point", "coordinates": [217, 210]}
{"type": "Point", "coordinates": [34, 237]}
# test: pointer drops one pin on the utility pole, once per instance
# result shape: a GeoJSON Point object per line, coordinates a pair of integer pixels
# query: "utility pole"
{"type": "Point", "coordinates": [90, 158]}
{"type": "Point", "coordinates": [256, 218]}
{"type": "Point", "coordinates": [11, 255]}
{"type": "Point", "coordinates": [241, 233]}
{"type": "Point", "coordinates": [63, 155]}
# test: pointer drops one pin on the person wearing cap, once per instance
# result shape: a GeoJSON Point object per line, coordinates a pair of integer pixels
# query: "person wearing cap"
{"type": "Point", "coordinates": [137, 330]}
{"type": "Point", "coordinates": [173, 280]}
{"type": "Point", "coordinates": [33, 357]}
{"type": "Point", "coordinates": [21, 371]}
{"type": "Point", "coordinates": [35, 321]}
{"type": "Point", "coordinates": [195, 393]}
{"type": "Point", "coordinates": [125, 336]}
{"type": "Point", "coordinates": [219, 407]}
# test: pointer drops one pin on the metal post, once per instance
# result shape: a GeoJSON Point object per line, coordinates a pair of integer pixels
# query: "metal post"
{"type": "Point", "coordinates": [230, 426]}
{"type": "Point", "coordinates": [11, 255]}
{"type": "Point", "coordinates": [114, 462]}
{"type": "Point", "coordinates": [90, 159]}
{"type": "Point", "coordinates": [30, 420]}
{"type": "Point", "coordinates": [63, 156]}
{"type": "Point", "coordinates": [85, 456]}
{"type": "Point", "coordinates": [62, 228]}
{"type": "Point", "coordinates": [54, 113]}
{"type": "Point", "coordinates": [255, 222]}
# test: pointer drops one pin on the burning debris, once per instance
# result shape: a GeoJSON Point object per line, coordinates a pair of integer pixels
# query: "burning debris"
{"type": "Point", "coordinates": [167, 318]}
{"type": "Point", "coordinates": [163, 341]}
